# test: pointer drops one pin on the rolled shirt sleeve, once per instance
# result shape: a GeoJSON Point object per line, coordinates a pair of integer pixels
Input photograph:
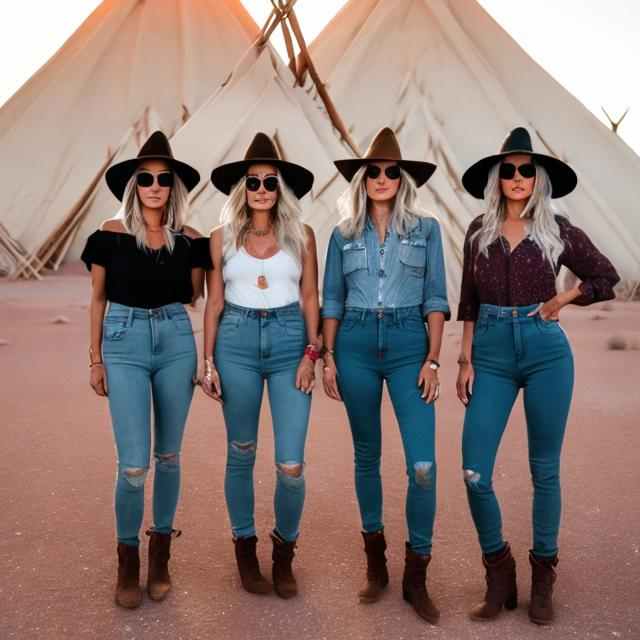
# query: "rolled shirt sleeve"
{"type": "Point", "coordinates": [435, 283]}
{"type": "Point", "coordinates": [333, 287]}
{"type": "Point", "coordinates": [595, 270]}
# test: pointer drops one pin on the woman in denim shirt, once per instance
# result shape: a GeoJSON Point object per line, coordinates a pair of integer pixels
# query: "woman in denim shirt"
{"type": "Point", "coordinates": [384, 277]}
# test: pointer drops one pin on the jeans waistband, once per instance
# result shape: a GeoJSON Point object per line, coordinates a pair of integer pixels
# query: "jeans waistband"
{"type": "Point", "coordinates": [495, 311]}
{"type": "Point", "coordinates": [392, 313]}
{"type": "Point", "coordinates": [275, 312]}
{"type": "Point", "coordinates": [124, 312]}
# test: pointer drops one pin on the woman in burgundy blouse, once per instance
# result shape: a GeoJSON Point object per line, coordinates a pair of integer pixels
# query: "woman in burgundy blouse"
{"type": "Point", "coordinates": [512, 340]}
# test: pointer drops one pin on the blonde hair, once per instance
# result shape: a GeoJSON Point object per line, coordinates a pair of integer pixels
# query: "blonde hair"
{"type": "Point", "coordinates": [173, 217]}
{"type": "Point", "coordinates": [287, 224]}
{"type": "Point", "coordinates": [352, 206]}
{"type": "Point", "coordinates": [539, 213]}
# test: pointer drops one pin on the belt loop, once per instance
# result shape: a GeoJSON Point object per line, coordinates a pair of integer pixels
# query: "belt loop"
{"type": "Point", "coordinates": [130, 317]}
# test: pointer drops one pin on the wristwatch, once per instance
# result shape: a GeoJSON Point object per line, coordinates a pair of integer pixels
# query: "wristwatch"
{"type": "Point", "coordinates": [433, 364]}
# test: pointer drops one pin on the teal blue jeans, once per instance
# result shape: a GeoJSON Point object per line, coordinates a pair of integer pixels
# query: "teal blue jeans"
{"type": "Point", "coordinates": [389, 346]}
{"type": "Point", "coordinates": [254, 346]}
{"type": "Point", "coordinates": [150, 358]}
{"type": "Point", "coordinates": [512, 351]}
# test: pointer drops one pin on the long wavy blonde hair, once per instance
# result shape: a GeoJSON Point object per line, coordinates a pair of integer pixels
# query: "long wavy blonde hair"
{"type": "Point", "coordinates": [173, 217]}
{"type": "Point", "coordinates": [539, 213]}
{"type": "Point", "coordinates": [287, 224]}
{"type": "Point", "coordinates": [352, 206]}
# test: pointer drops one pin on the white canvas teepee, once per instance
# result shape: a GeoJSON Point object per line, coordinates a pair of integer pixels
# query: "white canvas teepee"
{"type": "Point", "coordinates": [453, 83]}
{"type": "Point", "coordinates": [132, 66]}
{"type": "Point", "coordinates": [260, 96]}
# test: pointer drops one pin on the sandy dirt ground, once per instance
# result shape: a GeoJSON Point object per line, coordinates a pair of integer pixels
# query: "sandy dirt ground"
{"type": "Point", "coordinates": [58, 563]}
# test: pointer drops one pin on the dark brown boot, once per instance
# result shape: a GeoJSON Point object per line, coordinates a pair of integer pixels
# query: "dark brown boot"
{"type": "Point", "coordinates": [414, 585]}
{"type": "Point", "coordinates": [158, 579]}
{"type": "Point", "coordinates": [128, 592]}
{"type": "Point", "coordinates": [377, 578]}
{"type": "Point", "coordinates": [542, 578]}
{"type": "Point", "coordinates": [252, 580]}
{"type": "Point", "coordinates": [501, 585]}
{"type": "Point", "coordinates": [284, 581]}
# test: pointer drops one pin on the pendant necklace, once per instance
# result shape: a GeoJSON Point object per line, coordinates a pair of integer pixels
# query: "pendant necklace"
{"type": "Point", "coordinates": [262, 280]}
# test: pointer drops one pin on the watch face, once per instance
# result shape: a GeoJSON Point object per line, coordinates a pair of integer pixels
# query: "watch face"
{"type": "Point", "coordinates": [433, 366]}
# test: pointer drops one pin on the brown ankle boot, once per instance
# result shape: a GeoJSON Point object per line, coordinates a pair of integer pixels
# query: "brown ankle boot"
{"type": "Point", "coordinates": [252, 580]}
{"type": "Point", "coordinates": [542, 578]}
{"type": "Point", "coordinates": [128, 592]}
{"type": "Point", "coordinates": [501, 585]}
{"type": "Point", "coordinates": [414, 585]}
{"type": "Point", "coordinates": [377, 576]}
{"type": "Point", "coordinates": [158, 579]}
{"type": "Point", "coordinates": [284, 581]}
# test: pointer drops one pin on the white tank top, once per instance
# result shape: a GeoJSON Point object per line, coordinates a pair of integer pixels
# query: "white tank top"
{"type": "Point", "coordinates": [281, 273]}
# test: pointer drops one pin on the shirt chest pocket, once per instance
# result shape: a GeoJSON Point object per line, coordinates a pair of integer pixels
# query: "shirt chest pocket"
{"type": "Point", "coordinates": [354, 257]}
{"type": "Point", "coordinates": [413, 256]}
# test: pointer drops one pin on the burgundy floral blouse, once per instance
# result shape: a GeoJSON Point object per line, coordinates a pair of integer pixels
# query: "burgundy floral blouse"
{"type": "Point", "coordinates": [523, 276]}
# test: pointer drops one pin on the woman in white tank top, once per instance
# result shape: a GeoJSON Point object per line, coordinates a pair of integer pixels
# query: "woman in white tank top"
{"type": "Point", "coordinates": [261, 323]}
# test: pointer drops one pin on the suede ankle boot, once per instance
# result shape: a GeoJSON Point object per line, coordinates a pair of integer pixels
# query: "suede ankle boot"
{"type": "Point", "coordinates": [158, 579]}
{"type": "Point", "coordinates": [284, 581]}
{"type": "Point", "coordinates": [414, 585]}
{"type": "Point", "coordinates": [543, 576]}
{"type": "Point", "coordinates": [377, 578]}
{"type": "Point", "coordinates": [502, 591]}
{"type": "Point", "coordinates": [128, 592]}
{"type": "Point", "coordinates": [248, 566]}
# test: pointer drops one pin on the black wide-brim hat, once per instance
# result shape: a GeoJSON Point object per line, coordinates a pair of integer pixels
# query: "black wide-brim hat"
{"type": "Point", "coordinates": [262, 150]}
{"type": "Point", "coordinates": [563, 178]}
{"type": "Point", "coordinates": [385, 148]}
{"type": "Point", "coordinates": [155, 148]}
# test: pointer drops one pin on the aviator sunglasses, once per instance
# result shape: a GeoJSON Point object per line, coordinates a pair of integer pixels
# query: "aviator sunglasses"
{"type": "Point", "coordinates": [392, 172]}
{"type": "Point", "coordinates": [508, 170]}
{"type": "Point", "coordinates": [253, 183]}
{"type": "Point", "coordinates": [146, 178]}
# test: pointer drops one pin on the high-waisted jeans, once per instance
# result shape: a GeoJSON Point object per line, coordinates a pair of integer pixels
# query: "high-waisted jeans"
{"type": "Point", "coordinates": [149, 354]}
{"type": "Point", "coordinates": [513, 351]}
{"type": "Point", "coordinates": [390, 345]}
{"type": "Point", "coordinates": [253, 346]}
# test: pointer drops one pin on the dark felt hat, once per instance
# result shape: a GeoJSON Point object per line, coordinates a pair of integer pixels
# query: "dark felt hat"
{"type": "Point", "coordinates": [562, 176]}
{"type": "Point", "coordinates": [262, 150]}
{"type": "Point", "coordinates": [385, 148]}
{"type": "Point", "coordinates": [155, 148]}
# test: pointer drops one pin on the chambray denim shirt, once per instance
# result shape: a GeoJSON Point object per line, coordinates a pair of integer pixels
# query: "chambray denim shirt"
{"type": "Point", "coordinates": [405, 271]}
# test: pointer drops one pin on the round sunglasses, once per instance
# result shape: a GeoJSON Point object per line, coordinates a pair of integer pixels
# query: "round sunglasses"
{"type": "Point", "coordinates": [253, 183]}
{"type": "Point", "coordinates": [508, 170]}
{"type": "Point", "coordinates": [146, 178]}
{"type": "Point", "coordinates": [392, 172]}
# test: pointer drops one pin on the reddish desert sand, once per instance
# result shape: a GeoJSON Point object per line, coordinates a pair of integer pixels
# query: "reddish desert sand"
{"type": "Point", "coordinates": [57, 567]}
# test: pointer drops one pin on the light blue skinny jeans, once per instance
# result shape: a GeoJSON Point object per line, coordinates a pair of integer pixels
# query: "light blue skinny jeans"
{"type": "Point", "coordinates": [512, 351]}
{"type": "Point", "coordinates": [149, 356]}
{"type": "Point", "coordinates": [254, 346]}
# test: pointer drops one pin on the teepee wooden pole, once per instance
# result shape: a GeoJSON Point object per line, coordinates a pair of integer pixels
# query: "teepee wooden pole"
{"type": "Point", "coordinates": [322, 91]}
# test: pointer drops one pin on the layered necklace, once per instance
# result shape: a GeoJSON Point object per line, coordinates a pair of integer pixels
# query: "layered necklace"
{"type": "Point", "coordinates": [260, 233]}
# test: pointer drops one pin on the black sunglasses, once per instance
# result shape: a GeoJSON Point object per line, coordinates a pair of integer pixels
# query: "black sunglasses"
{"type": "Point", "coordinates": [392, 172]}
{"type": "Point", "coordinates": [508, 170]}
{"type": "Point", "coordinates": [253, 184]}
{"type": "Point", "coordinates": [146, 178]}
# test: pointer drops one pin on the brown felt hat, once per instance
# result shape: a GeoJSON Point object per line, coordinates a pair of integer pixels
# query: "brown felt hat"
{"type": "Point", "coordinates": [262, 150]}
{"type": "Point", "coordinates": [157, 147]}
{"type": "Point", "coordinates": [385, 148]}
{"type": "Point", "coordinates": [518, 141]}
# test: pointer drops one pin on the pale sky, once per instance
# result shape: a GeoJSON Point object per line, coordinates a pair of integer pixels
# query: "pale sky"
{"type": "Point", "coordinates": [590, 46]}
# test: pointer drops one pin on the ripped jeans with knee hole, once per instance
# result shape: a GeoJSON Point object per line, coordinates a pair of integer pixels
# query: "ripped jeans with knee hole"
{"type": "Point", "coordinates": [254, 346]}
{"type": "Point", "coordinates": [150, 359]}
{"type": "Point", "coordinates": [373, 347]}
{"type": "Point", "coordinates": [512, 351]}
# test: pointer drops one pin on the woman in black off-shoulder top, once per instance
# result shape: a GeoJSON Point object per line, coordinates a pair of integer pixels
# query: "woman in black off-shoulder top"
{"type": "Point", "coordinates": [142, 351]}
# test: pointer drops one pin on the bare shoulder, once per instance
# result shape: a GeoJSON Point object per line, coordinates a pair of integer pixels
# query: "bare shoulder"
{"type": "Point", "coordinates": [308, 229]}
{"type": "Point", "coordinates": [113, 224]}
{"type": "Point", "coordinates": [190, 232]}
